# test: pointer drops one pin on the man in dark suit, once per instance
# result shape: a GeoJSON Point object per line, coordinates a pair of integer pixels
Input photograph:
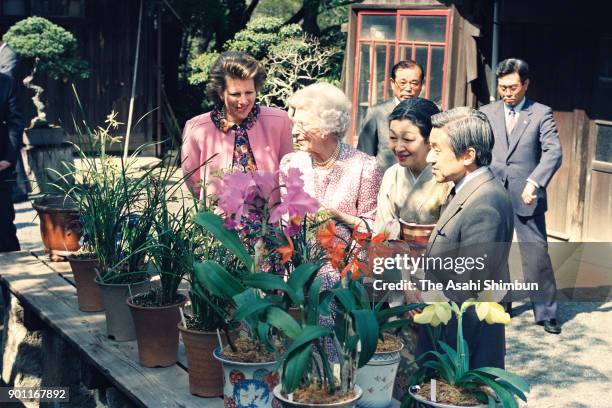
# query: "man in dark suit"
{"type": "Point", "coordinates": [11, 129]}
{"type": "Point", "coordinates": [8, 60]}
{"type": "Point", "coordinates": [476, 223]}
{"type": "Point", "coordinates": [406, 82]}
{"type": "Point", "coordinates": [527, 154]}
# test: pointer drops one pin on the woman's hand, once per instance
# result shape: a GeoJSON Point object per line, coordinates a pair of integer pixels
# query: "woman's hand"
{"type": "Point", "coordinates": [345, 218]}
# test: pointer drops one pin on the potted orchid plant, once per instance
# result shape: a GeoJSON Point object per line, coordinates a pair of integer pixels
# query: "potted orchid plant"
{"type": "Point", "coordinates": [251, 230]}
{"type": "Point", "coordinates": [448, 370]}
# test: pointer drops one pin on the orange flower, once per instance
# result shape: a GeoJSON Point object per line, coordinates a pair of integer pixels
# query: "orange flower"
{"type": "Point", "coordinates": [327, 235]}
{"type": "Point", "coordinates": [355, 267]}
{"type": "Point", "coordinates": [382, 237]}
{"type": "Point", "coordinates": [360, 237]}
{"type": "Point", "coordinates": [286, 251]}
{"type": "Point", "coordinates": [336, 254]}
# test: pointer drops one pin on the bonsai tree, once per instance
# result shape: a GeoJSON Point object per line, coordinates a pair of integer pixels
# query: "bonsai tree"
{"type": "Point", "coordinates": [48, 49]}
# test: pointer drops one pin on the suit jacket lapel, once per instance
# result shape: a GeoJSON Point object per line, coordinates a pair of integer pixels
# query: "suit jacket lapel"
{"type": "Point", "coordinates": [521, 124]}
{"type": "Point", "coordinates": [498, 121]}
{"type": "Point", "coordinates": [457, 203]}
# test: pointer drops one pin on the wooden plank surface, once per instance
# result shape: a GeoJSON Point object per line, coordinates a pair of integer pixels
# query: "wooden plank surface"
{"type": "Point", "coordinates": [46, 288]}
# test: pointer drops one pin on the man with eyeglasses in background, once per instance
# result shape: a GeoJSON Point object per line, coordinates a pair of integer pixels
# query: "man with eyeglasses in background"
{"type": "Point", "coordinates": [526, 155]}
{"type": "Point", "coordinates": [407, 80]}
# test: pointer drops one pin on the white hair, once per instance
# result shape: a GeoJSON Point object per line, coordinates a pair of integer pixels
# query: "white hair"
{"type": "Point", "coordinates": [327, 104]}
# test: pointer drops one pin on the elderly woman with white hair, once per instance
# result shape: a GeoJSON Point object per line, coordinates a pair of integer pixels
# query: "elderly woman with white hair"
{"type": "Point", "coordinates": [344, 180]}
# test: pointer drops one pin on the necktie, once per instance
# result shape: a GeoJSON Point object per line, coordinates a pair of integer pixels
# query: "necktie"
{"type": "Point", "coordinates": [450, 197]}
{"type": "Point", "coordinates": [511, 121]}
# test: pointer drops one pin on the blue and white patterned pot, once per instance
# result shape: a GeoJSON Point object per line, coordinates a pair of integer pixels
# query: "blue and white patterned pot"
{"type": "Point", "coordinates": [247, 385]}
{"type": "Point", "coordinates": [376, 378]}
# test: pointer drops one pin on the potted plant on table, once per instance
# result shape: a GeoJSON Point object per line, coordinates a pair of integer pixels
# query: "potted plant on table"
{"type": "Point", "coordinates": [251, 232]}
{"type": "Point", "coordinates": [156, 312]}
{"type": "Point", "coordinates": [46, 49]}
{"type": "Point", "coordinates": [448, 372]}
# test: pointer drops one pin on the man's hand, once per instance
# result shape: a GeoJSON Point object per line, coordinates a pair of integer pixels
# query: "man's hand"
{"type": "Point", "coordinates": [529, 194]}
{"type": "Point", "coordinates": [4, 165]}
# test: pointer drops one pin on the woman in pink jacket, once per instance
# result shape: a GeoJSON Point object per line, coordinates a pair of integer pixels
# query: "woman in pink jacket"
{"type": "Point", "coordinates": [238, 134]}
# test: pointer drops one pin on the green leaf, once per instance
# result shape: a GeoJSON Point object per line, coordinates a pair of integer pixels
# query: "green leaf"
{"type": "Point", "coordinates": [300, 276]}
{"type": "Point", "coordinates": [283, 321]}
{"type": "Point", "coordinates": [360, 294]}
{"type": "Point", "coordinates": [504, 375]}
{"type": "Point", "coordinates": [307, 336]}
{"type": "Point", "coordinates": [230, 240]}
{"type": "Point", "coordinates": [295, 366]}
{"type": "Point", "coordinates": [269, 281]}
{"type": "Point", "coordinates": [217, 280]}
{"type": "Point", "coordinates": [366, 327]}
{"type": "Point", "coordinates": [451, 353]}
{"type": "Point", "coordinates": [313, 302]}
{"type": "Point", "coordinates": [251, 308]}
{"type": "Point", "coordinates": [505, 396]}
{"type": "Point", "coordinates": [385, 314]}
{"type": "Point", "coordinates": [346, 299]}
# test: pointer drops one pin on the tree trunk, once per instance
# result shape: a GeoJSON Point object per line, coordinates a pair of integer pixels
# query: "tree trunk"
{"type": "Point", "coordinates": [311, 12]}
{"type": "Point", "coordinates": [41, 116]}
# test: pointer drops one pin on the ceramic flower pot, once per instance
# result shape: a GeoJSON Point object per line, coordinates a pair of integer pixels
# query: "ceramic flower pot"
{"type": "Point", "coordinates": [60, 228]}
{"type": "Point", "coordinates": [376, 379]}
{"type": "Point", "coordinates": [247, 384]}
{"type": "Point", "coordinates": [205, 371]}
{"type": "Point", "coordinates": [157, 334]}
{"type": "Point", "coordinates": [289, 403]}
{"type": "Point", "coordinates": [119, 322]}
{"type": "Point", "coordinates": [423, 403]}
{"type": "Point", "coordinates": [88, 292]}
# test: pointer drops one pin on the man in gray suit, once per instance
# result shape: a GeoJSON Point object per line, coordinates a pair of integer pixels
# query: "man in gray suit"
{"type": "Point", "coordinates": [527, 154]}
{"type": "Point", "coordinates": [476, 222]}
{"type": "Point", "coordinates": [8, 60]}
{"type": "Point", "coordinates": [406, 82]}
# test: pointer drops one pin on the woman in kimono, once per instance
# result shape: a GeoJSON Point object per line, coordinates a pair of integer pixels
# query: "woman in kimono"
{"type": "Point", "coordinates": [409, 191]}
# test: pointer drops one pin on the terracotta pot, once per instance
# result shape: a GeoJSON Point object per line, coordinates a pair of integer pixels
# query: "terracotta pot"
{"type": "Point", "coordinates": [205, 371]}
{"type": "Point", "coordinates": [157, 334]}
{"type": "Point", "coordinates": [247, 384]}
{"type": "Point", "coordinates": [60, 228]}
{"type": "Point", "coordinates": [289, 403]}
{"type": "Point", "coordinates": [119, 322]}
{"type": "Point", "coordinates": [377, 377]}
{"type": "Point", "coordinates": [423, 403]}
{"type": "Point", "coordinates": [88, 292]}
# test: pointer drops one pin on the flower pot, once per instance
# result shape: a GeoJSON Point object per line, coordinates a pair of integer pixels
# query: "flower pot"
{"type": "Point", "coordinates": [376, 379]}
{"type": "Point", "coordinates": [247, 384]}
{"type": "Point", "coordinates": [157, 334]}
{"type": "Point", "coordinates": [119, 322]}
{"type": "Point", "coordinates": [423, 403]}
{"type": "Point", "coordinates": [60, 228]}
{"type": "Point", "coordinates": [289, 403]}
{"type": "Point", "coordinates": [205, 371]}
{"type": "Point", "coordinates": [88, 292]}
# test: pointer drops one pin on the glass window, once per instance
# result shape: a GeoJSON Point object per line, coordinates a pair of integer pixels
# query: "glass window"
{"type": "Point", "coordinates": [604, 144]}
{"type": "Point", "coordinates": [436, 74]}
{"type": "Point", "coordinates": [377, 27]}
{"type": "Point", "coordinates": [423, 28]}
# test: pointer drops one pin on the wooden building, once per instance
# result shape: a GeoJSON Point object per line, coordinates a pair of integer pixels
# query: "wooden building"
{"type": "Point", "coordinates": [106, 31]}
{"type": "Point", "coordinates": [568, 45]}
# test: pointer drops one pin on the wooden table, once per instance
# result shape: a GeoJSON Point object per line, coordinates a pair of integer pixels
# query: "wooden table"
{"type": "Point", "coordinates": [47, 289]}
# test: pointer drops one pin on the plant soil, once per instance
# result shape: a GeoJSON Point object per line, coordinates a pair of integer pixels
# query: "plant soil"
{"type": "Point", "coordinates": [315, 394]}
{"type": "Point", "coordinates": [449, 394]}
{"type": "Point", "coordinates": [248, 352]}
{"type": "Point", "coordinates": [152, 299]}
{"type": "Point", "coordinates": [82, 256]}
{"type": "Point", "coordinates": [388, 344]}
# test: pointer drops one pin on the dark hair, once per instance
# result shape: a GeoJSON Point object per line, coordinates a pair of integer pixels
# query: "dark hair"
{"type": "Point", "coordinates": [467, 127]}
{"type": "Point", "coordinates": [511, 65]}
{"type": "Point", "coordinates": [407, 64]}
{"type": "Point", "coordinates": [236, 65]}
{"type": "Point", "coordinates": [418, 111]}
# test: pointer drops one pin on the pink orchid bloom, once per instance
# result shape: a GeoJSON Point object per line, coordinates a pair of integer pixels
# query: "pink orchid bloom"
{"type": "Point", "coordinates": [265, 182]}
{"type": "Point", "coordinates": [294, 179]}
{"type": "Point", "coordinates": [296, 203]}
{"type": "Point", "coordinates": [236, 187]}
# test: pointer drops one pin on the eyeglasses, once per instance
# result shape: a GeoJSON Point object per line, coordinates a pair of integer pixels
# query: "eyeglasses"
{"type": "Point", "coordinates": [404, 84]}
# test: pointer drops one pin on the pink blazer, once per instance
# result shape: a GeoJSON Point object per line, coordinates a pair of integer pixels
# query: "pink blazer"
{"type": "Point", "coordinates": [270, 140]}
